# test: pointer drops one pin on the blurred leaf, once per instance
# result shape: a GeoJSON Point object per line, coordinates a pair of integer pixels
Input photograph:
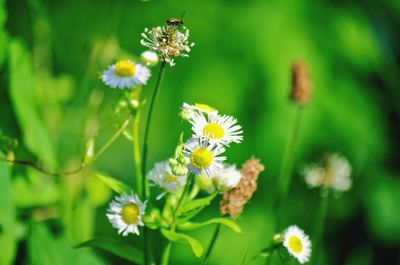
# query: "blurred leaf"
{"type": "Point", "coordinates": [98, 192]}
{"type": "Point", "coordinates": [114, 184]}
{"type": "Point", "coordinates": [179, 237]}
{"type": "Point", "coordinates": [35, 189]}
{"type": "Point", "coordinates": [191, 205]}
{"type": "Point", "coordinates": [224, 221]}
{"type": "Point", "coordinates": [84, 221]}
{"type": "Point", "coordinates": [22, 94]}
{"type": "Point", "coordinates": [45, 249]}
{"type": "Point", "coordinates": [116, 247]}
{"type": "Point", "coordinates": [7, 217]}
{"type": "Point", "coordinates": [3, 34]}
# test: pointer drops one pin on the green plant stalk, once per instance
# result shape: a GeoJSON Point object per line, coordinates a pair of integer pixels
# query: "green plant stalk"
{"type": "Point", "coordinates": [145, 189]}
{"type": "Point", "coordinates": [288, 156]}
{"type": "Point", "coordinates": [319, 227]}
{"type": "Point", "coordinates": [210, 248]}
{"type": "Point", "coordinates": [167, 249]}
{"type": "Point", "coordinates": [136, 152]}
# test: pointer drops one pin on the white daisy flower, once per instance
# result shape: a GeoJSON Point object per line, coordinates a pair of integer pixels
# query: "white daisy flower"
{"type": "Point", "coordinates": [149, 57]}
{"type": "Point", "coordinates": [125, 74]}
{"type": "Point", "coordinates": [125, 214]}
{"type": "Point", "coordinates": [226, 178]}
{"type": "Point", "coordinates": [297, 243]}
{"type": "Point", "coordinates": [189, 111]}
{"type": "Point", "coordinates": [168, 41]}
{"type": "Point", "coordinates": [163, 177]}
{"type": "Point", "coordinates": [333, 174]}
{"type": "Point", "coordinates": [220, 130]}
{"type": "Point", "coordinates": [204, 157]}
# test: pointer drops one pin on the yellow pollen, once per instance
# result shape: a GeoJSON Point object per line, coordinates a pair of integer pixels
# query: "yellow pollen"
{"type": "Point", "coordinates": [213, 130]}
{"type": "Point", "coordinates": [204, 107]}
{"type": "Point", "coordinates": [124, 68]}
{"type": "Point", "coordinates": [295, 244]}
{"type": "Point", "coordinates": [130, 213]}
{"type": "Point", "coordinates": [201, 157]}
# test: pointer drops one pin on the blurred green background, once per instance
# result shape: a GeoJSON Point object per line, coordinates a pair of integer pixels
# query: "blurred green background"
{"type": "Point", "coordinates": [52, 102]}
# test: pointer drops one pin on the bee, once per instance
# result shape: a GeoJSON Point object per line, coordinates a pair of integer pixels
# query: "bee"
{"type": "Point", "coordinates": [173, 21]}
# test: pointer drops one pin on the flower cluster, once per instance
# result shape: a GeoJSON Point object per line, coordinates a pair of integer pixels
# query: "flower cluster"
{"type": "Point", "coordinates": [334, 173]}
{"type": "Point", "coordinates": [202, 154]}
{"type": "Point", "coordinates": [169, 41]}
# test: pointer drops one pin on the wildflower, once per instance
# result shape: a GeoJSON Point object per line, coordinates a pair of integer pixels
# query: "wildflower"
{"type": "Point", "coordinates": [189, 111]}
{"type": "Point", "coordinates": [163, 177]}
{"type": "Point", "coordinates": [301, 83]}
{"type": "Point", "coordinates": [149, 57]}
{"type": "Point", "coordinates": [125, 74]}
{"type": "Point", "coordinates": [220, 130]}
{"type": "Point", "coordinates": [333, 174]}
{"type": "Point", "coordinates": [234, 199]}
{"type": "Point", "coordinates": [226, 178]}
{"type": "Point", "coordinates": [125, 214]}
{"type": "Point", "coordinates": [168, 41]}
{"type": "Point", "coordinates": [297, 243]}
{"type": "Point", "coordinates": [204, 157]}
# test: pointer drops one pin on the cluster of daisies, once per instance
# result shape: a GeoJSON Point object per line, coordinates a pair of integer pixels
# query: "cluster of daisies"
{"type": "Point", "coordinates": [201, 156]}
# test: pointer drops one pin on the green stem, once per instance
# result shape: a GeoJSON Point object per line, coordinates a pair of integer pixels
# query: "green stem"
{"type": "Point", "coordinates": [184, 195]}
{"type": "Point", "coordinates": [145, 190]}
{"type": "Point", "coordinates": [136, 153]}
{"type": "Point", "coordinates": [319, 227]}
{"type": "Point", "coordinates": [211, 245]}
{"type": "Point", "coordinates": [288, 156]}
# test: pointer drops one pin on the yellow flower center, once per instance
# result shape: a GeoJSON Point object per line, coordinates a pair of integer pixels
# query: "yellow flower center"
{"type": "Point", "coordinates": [201, 157]}
{"type": "Point", "coordinates": [213, 130]}
{"type": "Point", "coordinates": [130, 213]}
{"type": "Point", "coordinates": [295, 244]}
{"type": "Point", "coordinates": [125, 68]}
{"type": "Point", "coordinates": [170, 178]}
{"type": "Point", "coordinates": [204, 107]}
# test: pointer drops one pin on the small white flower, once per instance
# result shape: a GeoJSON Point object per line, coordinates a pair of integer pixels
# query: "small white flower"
{"type": "Point", "coordinates": [149, 57]}
{"type": "Point", "coordinates": [220, 130]}
{"type": "Point", "coordinates": [333, 174]}
{"type": "Point", "coordinates": [125, 74]}
{"type": "Point", "coordinates": [125, 214]}
{"type": "Point", "coordinates": [168, 41]}
{"type": "Point", "coordinates": [226, 178]}
{"type": "Point", "coordinates": [204, 157]}
{"type": "Point", "coordinates": [297, 243]}
{"type": "Point", "coordinates": [163, 177]}
{"type": "Point", "coordinates": [189, 111]}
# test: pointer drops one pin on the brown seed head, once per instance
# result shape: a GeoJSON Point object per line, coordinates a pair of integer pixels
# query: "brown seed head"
{"type": "Point", "coordinates": [301, 83]}
{"type": "Point", "coordinates": [234, 199]}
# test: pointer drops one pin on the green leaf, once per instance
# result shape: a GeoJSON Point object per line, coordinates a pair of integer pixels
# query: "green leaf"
{"type": "Point", "coordinates": [191, 205]}
{"type": "Point", "coordinates": [179, 237]}
{"type": "Point", "coordinates": [116, 247]}
{"type": "Point", "coordinates": [114, 184]}
{"type": "Point", "coordinates": [224, 221]}
{"type": "Point", "coordinates": [7, 217]}
{"type": "Point", "coordinates": [22, 93]}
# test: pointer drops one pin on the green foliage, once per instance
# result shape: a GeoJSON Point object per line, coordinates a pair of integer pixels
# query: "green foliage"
{"type": "Point", "coordinates": [114, 184]}
{"type": "Point", "coordinates": [197, 248]}
{"type": "Point", "coordinates": [224, 221]}
{"type": "Point", "coordinates": [116, 247]}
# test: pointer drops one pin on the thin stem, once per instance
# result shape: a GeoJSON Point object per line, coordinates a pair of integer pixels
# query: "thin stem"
{"type": "Point", "coordinates": [211, 245]}
{"type": "Point", "coordinates": [136, 153]}
{"type": "Point", "coordinates": [166, 254]}
{"type": "Point", "coordinates": [288, 156]}
{"type": "Point", "coordinates": [319, 227]}
{"type": "Point", "coordinates": [147, 129]}
{"type": "Point", "coordinates": [82, 165]}
{"type": "Point", "coordinates": [144, 187]}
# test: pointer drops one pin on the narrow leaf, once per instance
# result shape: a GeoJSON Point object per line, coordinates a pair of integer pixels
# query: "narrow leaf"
{"type": "Point", "coordinates": [114, 184]}
{"type": "Point", "coordinates": [224, 221]}
{"type": "Point", "coordinates": [190, 205]}
{"type": "Point", "coordinates": [116, 247]}
{"type": "Point", "coordinates": [179, 237]}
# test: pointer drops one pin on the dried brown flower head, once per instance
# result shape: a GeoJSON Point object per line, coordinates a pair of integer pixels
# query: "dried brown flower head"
{"type": "Point", "coordinates": [235, 198]}
{"type": "Point", "coordinates": [301, 83]}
